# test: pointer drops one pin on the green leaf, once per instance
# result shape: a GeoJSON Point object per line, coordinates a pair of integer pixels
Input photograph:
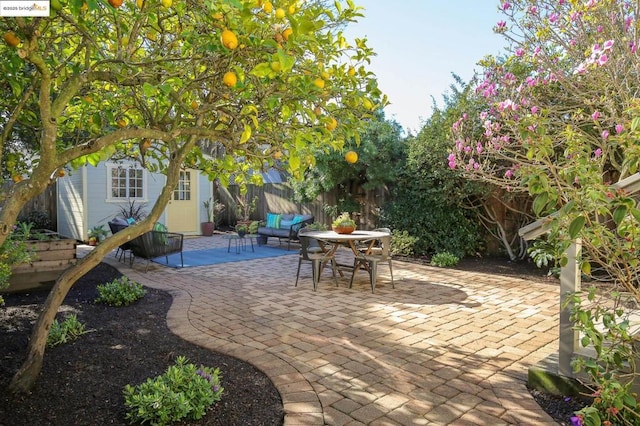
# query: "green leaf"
{"type": "Point", "coordinates": [246, 134]}
{"type": "Point", "coordinates": [619, 214]}
{"type": "Point", "coordinates": [262, 70]}
{"type": "Point", "coordinates": [539, 203]}
{"type": "Point", "coordinates": [635, 123]}
{"type": "Point", "coordinates": [576, 226]}
{"type": "Point", "coordinates": [636, 214]}
{"type": "Point", "coordinates": [149, 90]}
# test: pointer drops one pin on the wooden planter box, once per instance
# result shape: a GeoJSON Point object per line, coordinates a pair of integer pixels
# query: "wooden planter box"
{"type": "Point", "coordinates": [52, 257]}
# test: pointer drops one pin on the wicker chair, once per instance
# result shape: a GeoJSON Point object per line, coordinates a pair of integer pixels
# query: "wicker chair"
{"type": "Point", "coordinates": [154, 244]}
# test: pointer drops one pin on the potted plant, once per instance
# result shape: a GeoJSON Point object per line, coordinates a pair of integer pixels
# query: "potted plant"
{"type": "Point", "coordinates": [212, 207]}
{"type": "Point", "coordinates": [241, 229]}
{"type": "Point", "coordinates": [97, 234]}
{"type": "Point", "coordinates": [343, 224]}
{"type": "Point", "coordinates": [244, 208]}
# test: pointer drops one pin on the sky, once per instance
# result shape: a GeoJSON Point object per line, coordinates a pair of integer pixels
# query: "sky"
{"type": "Point", "coordinates": [419, 44]}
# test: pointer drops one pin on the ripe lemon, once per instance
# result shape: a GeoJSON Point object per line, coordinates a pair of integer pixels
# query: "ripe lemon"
{"type": "Point", "coordinates": [277, 155]}
{"type": "Point", "coordinates": [267, 7]}
{"type": "Point", "coordinates": [167, 3]}
{"type": "Point", "coordinates": [367, 104]}
{"type": "Point", "coordinates": [287, 33]}
{"type": "Point", "coordinates": [230, 79]}
{"type": "Point", "coordinates": [280, 13]}
{"type": "Point", "coordinates": [325, 75]}
{"type": "Point", "coordinates": [194, 105]}
{"type": "Point", "coordinates": [351, 157]}
{"type": "Point", "coordinates": [115, 3]}
{"type": "Point", "coordinates": [17, 178]}
{"type": "Point", "coordinates": [122, 123]}
{"type": "Point", "coordinates": [229, 39]}
{"type": "Point", "coordinates": [218, 16]}
{"type": "Point", "coordinates": [11, 39]}
{"type": "Point", "coordinates": [139, 3]}
{"type": "Point", "coordinates": [332, 124]}
{"type": "Point", "coordinates": [319, 83]}
{"type": "Point", "coordinates": [61, 172]}
{"type": "Point", "coordinates": [292, 10]}
{"type": "Point", "coordinates": [351, 71]}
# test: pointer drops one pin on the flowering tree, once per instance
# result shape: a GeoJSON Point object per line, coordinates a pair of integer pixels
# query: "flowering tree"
{"type": "Point", "coordinates": [561, 124]}
{"type": "Point", "coordinates": [225, 86]}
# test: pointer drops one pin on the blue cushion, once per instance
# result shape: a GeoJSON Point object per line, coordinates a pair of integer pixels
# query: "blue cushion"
{"type": "Point", "coordinates": [131, 220]}
{"type": "Point", "coordinates": [273, 220]}
{"type": "Point", "coordinates": [297, 219]}
{"type": "Point", "coordinates": [286, 224]}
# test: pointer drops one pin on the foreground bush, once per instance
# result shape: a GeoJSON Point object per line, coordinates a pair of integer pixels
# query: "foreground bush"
{"type": "Point", "coordinates": [120, 292]}
{"type": "Point", "coordinates": [183, 392]}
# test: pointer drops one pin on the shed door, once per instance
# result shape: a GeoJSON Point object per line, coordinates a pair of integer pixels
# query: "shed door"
{"type": "Point", "coordinates": [182, 210]}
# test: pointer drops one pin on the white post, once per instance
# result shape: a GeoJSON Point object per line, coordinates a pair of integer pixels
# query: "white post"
{"type": "Point", "coordinates": [569, 283]}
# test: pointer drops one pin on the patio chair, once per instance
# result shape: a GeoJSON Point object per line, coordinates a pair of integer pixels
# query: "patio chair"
{"type": "Point", "coordinates": [311, 251]}
{"type": "Point", "coordinates": [118, 225]}
{"type": "Point", "coordinates": [370, 260]}
{"type": "Point", "coordinates": [154, 244]}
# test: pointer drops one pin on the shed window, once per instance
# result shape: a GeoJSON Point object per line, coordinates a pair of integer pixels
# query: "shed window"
{"type": "Point", "coordinates": [126, 183]}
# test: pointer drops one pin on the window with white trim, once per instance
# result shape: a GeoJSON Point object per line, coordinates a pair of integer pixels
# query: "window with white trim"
{"type": "Point", "coordinates": [125, 182]}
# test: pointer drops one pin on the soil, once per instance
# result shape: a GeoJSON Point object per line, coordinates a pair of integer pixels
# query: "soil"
{"type": "Point", "coordinates": [81, 382]}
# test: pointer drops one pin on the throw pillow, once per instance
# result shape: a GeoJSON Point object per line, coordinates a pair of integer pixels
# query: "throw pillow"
{"type": "Point", "coordinates": [160, 238]}
{"type": "Point", "coordinates": [131, 221]}
{"type": "Point", "coordinates": [273, 220]}
{"type": "Point", "coordinates": [298, 218]}
{"type": "Point", "coordinates": [285, 224]}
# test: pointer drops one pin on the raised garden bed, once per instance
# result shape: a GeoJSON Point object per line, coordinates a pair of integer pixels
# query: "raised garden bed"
{"type": "Point", "coordinates": [53, 255]}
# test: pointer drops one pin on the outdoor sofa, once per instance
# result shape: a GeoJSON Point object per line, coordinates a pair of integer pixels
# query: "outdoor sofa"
{"type": "Point", "coordinates": [284, 227]}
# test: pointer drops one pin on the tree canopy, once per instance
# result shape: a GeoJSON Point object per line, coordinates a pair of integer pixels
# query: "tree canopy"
{"type": "Point", "coordinates": [225, 86]}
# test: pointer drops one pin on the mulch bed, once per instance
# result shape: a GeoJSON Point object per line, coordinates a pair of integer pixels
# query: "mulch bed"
{"type": "Point", "coordinates": [81, 382]}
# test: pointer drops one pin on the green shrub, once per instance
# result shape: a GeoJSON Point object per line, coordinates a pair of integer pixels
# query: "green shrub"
{"type": "Point", "coordinates": [120, 292]}
{"type": "Point", "coordinates": [62, 332]}
{"type": "Point", "coordinates": [444, 259]}
{"type": "Point", "coordinates": [402, 243]}
{"type": "Point", "coordinates": [183, 392]}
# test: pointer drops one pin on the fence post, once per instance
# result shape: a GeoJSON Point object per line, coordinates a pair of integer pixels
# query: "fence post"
{"type": "Point", "coordinates": [569, 283]}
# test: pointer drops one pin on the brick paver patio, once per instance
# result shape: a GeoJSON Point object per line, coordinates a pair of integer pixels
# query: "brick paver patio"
{"type": "Point", "coordinates": [443, 348]}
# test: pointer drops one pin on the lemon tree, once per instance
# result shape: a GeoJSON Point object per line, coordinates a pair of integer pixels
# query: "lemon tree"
{"type": "Point", "coordinates": [226, 86]}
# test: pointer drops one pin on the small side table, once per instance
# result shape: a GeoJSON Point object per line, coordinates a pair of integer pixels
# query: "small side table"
{"type": "Point", "coordinates": [240, 241]}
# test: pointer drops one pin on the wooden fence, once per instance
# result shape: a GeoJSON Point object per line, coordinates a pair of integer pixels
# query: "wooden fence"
{"type": "Point", "coordinates": [46, 202]}
{"type": "Point", "coordinates": [277, 198]}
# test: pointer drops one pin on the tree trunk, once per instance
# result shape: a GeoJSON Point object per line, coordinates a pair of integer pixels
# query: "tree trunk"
{"type": "Point", "coordinates": [25, 378]}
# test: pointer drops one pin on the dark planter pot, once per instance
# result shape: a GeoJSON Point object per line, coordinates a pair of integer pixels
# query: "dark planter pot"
{"type": "Point", "coordinates": [262, 240]}
{"type": "Point", "coordinates": [207, 228]}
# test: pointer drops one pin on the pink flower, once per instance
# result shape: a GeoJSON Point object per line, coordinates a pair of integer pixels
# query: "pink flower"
{"type": "Point", "coordinates": [605, 134]}
{"type": "Point", "coordinates": [508, 174]}
{"type": "Point", "coordinates": [534, 110]}
{"type": "Point", "coordinates": [619, 128]}
{"type": "Point", "coordinates": [632, 47]}
{"type": "Point", "coordinates": [500, 27]}
{"type": "Point", "coordinates": [506, 5]}
{"type": "Point", "coordinates": [553, 18]}
{"type": "Point", "coordinates": [519, 52]}
{"type": "Point", "coordinates": [597, 153]}
{"type": "Point", "coordinates": [591, 3]}
{"type": "Point", "coordinates": [595, 115]}
{"type": "Point", "coordinates": [608, 44]}
{"type": "Point", "coordinates": [602, 59]}
{"type": "Point", "coordinates": [533, 10]}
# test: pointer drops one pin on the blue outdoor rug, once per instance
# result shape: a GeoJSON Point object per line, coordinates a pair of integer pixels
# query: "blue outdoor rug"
{"type": "Point", "coordinates": [220, 255]}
